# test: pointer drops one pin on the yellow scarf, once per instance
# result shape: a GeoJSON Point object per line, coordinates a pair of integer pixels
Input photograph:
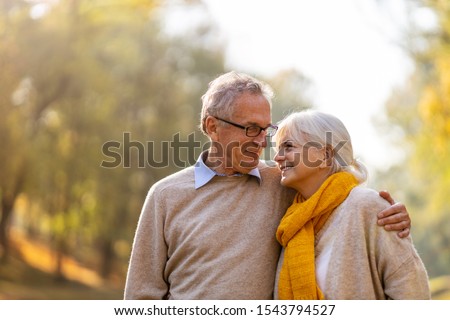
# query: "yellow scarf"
{"type": "Point", "coordinates": [296, 233]}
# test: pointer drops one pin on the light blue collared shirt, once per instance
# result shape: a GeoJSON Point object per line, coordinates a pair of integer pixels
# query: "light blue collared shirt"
{"type": "Point", "coordinates": [203, 174]}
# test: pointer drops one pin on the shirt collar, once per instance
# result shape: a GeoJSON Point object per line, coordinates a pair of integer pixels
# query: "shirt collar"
{"type": "Point", "coordinates": [203, 174]}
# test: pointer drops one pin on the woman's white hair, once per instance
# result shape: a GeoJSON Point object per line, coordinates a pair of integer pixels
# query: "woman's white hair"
{"type": "Point", "coordinates": [318, 128]}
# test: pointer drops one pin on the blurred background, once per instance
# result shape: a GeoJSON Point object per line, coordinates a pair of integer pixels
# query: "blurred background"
{"type": "Point", "coordinates": [97, 96]}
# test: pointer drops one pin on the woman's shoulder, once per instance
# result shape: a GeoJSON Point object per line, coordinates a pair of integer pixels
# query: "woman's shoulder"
{"type": "Point", "coordinates": [366, 197]}
{"type": "Point", "coordinates": [363, 204]}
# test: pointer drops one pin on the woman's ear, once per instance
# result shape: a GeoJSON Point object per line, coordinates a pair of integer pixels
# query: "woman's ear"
{"type": "Point", "coordinates": [211, 127]}
{"type": "Point", "coordinates": [328, 156]}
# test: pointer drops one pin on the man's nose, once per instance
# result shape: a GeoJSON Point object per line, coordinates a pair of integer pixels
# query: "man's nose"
{"type": "Point", "coordinates": [261, 139]}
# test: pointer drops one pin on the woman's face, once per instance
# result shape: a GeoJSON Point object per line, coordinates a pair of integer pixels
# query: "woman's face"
{"type": "Point", "coordinates": [301, 165]}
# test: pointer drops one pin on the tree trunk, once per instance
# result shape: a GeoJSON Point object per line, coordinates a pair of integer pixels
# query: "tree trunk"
{"type": "Point", "coordinates": [107, 256]}
{"type": "Point", "coordinates": [8, 198]}
{"type": "Point", "coordinates": [59, 263]}
{"type": "Point", "coordinates": [7, 205]}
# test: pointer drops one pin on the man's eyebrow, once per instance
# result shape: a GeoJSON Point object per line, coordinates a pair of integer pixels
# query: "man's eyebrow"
{"type": "Point", "coordinates": [251, 123]}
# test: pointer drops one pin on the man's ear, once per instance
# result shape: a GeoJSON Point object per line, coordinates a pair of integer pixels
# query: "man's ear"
{"type": "Point", "coordinates": [211, 127]}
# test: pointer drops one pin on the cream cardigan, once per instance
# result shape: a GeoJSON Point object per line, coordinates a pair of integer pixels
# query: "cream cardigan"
{"type": "Point", "coordinates": [360, 260]}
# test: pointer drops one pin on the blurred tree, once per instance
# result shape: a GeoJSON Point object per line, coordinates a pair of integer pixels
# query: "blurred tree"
{"type": "Point", "coordinates": [80, 74]}
{"type": "Point", "coordinates": [14, 88]}
{"type": "Point", "coordinates": [422, 110]}
{"type": "Point", "coordinates": [99, 100]}
{"type": "Point", "coordinates": [292, 93]}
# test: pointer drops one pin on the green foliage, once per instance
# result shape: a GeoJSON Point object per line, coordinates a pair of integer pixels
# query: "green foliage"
{"type": "Point", "coordinates": [85, 73]}
{"type": "Point", "coordinates": [73, 78]}
{"type": "Point", "coordinates": [422, 110]}
{"type": "Point", "coordinates": [291, 89]}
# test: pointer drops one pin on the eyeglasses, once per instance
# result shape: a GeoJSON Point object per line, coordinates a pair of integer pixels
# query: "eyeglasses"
{"type": "Point", "coordinates": [253, 131]}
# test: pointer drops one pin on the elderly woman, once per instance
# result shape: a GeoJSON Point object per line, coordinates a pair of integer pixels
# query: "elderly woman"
{"type": "Point", "coordinates": [332, 246]}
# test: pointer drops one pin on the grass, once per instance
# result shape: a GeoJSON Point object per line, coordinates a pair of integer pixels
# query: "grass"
{"type": "Point", "coordinates": [20, 281]}
{"type": "Point", "coordinates": [440, 288]}
{"type": "Point", "coordinates": [29, 275]}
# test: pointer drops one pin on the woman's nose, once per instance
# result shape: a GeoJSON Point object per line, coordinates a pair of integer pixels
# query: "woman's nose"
{"type": "Point", "coordinates": [279, 156]}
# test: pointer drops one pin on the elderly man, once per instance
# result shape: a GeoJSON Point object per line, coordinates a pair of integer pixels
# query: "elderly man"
{"type": "Point", "coordinates": [208, 231]}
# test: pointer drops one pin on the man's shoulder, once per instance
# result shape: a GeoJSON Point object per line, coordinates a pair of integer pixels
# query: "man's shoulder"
{"type": "Point", "coordinates": [271, 182]}
{"type": "Point", "coordinates": [269, 169]}
{"type": "Point", "coordinates": [178, 179]}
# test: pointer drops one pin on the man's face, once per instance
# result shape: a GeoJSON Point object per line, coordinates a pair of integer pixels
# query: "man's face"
{"type": "Point", "coordinates": [241, 153]}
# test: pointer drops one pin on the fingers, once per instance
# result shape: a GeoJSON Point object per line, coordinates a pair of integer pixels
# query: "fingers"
{"type": "Point", "coordinates": [386, 196]}
{"type": "Point", "coordinates": [395, 218]}
{"type": "Point", "coordinates": [394, 210]}
{"type": "Point", "coordinates": [403, 226]}
{"type": "Point", "coordinates": [404, 233]}
{"type": "Point", "coordinates": [396, 226]}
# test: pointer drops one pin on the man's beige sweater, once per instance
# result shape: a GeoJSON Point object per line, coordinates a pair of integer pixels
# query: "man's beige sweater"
{"type": "Point", "coordinates": [215, 242]}
{"type": "Point", "coordinates": [356, 259]}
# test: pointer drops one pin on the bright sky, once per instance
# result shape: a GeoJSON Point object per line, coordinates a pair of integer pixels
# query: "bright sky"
{"type": "Point", "coordinates": [348, 48]}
